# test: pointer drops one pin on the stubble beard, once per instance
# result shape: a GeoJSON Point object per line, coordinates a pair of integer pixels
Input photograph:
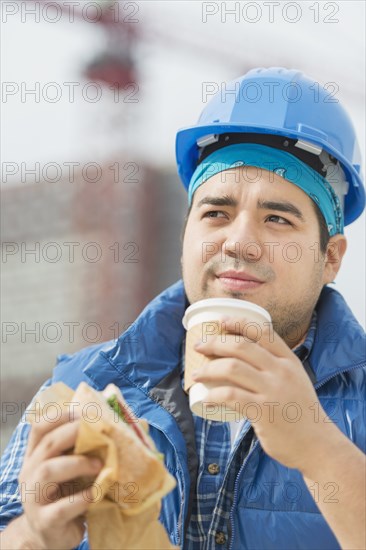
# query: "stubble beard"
{"type": "Point", "coordinates": [290, 319]}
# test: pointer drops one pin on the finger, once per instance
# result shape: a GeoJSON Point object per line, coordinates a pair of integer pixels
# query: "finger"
{"type": "Point", "coordinates": [65, 468]}
{"type": "Point", "coordinates": [56, 442]}
{"type": "Point", "coordinates": [262, 333]}
{"type": "Point", "coordinates": [233, 371]}
{"type": "Point", "coordinates": [245, 327]}
{"type": "Point", "coordinates": [69, 488]}
{"type": "Point", "coordinates": [231, 397]}
{"type": "Point", "coordinates": [66, 509]}
{"type": "Point", "coordinates": [41, 428]}
{"type": "Point", "coordinates": [229, 345]}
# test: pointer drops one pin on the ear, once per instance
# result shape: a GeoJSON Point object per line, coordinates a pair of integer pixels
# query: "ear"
{"type": "Point", "coordinates": [336, 249]}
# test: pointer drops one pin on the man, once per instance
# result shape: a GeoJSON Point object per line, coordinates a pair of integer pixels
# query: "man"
{"type": "Point", "coordinates": [270, 184]}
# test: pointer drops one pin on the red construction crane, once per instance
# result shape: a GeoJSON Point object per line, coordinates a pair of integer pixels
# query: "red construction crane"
{"type": "Point", "coordinates": [115, 65]}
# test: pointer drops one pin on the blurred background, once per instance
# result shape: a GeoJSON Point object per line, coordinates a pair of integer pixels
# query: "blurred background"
{"type": "Point", "coordinates": [92, 209]}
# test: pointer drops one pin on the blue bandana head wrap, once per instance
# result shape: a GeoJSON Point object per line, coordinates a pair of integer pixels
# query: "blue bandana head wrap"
{"type": "Point", "coordinates": [281, 163]}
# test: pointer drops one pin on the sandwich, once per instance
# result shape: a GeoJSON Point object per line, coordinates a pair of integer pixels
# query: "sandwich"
{"type": "Point", "coordinates": [134, 466]}
{"type": "Point", "coordinates": [127, 492]}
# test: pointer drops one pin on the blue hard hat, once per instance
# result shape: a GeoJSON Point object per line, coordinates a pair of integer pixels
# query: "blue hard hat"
{"type": "Point", "coordinates": [267, 105]}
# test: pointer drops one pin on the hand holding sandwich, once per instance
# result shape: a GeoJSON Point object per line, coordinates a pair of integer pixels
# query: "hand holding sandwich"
{"type": "Point", "coordinates": [53, 515]}
{"type": "Point", "coordinates": [96, 465]}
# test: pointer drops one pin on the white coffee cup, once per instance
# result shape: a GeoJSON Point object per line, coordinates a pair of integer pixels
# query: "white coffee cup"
{"type": "Point", "coordinates": [201, 319]}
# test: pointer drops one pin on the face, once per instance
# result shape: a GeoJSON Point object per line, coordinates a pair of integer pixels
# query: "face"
{"type": "Point", "coordinates": [254, 236]}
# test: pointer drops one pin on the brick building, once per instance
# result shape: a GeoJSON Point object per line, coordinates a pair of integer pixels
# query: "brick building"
{"type": "Point", "coordinates": [80, 260]}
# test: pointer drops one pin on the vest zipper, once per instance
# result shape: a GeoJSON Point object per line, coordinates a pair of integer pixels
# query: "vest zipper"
{"type": "Point", "coordinates": [181, 484]}
{"type": "Point", "coordinates": [316, 386]}
{"type": "Point", "coordinates": [236, 492]}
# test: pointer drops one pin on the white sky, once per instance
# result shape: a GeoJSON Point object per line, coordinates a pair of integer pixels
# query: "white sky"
{"type": "Point", "coordinates": [179, 51]}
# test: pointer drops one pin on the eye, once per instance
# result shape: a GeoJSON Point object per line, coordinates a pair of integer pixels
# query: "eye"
{"type": "Point", "coordinates": [214, 214]}
{"type": "Point", "coordinates": [278, 219]}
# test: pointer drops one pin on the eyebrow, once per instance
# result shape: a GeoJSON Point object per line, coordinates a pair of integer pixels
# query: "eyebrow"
{"type": "Point", "coordinates": [282, 206]}
{"type": "Point", "coordinates": [228, 200]}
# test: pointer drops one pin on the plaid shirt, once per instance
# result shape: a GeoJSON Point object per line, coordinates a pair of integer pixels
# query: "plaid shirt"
{"type": "Point", "coordinates": [209, 525]}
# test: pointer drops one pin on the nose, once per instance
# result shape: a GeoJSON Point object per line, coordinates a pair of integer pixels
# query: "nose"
{"type": "Point", "coordinates": [242, 240]}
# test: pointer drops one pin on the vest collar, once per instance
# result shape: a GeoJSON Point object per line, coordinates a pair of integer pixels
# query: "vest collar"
{"type": "Point", "coordinates": [152, 346]}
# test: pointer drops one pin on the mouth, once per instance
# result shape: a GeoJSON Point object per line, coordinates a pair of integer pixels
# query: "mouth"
{"type": "Point", "coordinates": [238, 280]}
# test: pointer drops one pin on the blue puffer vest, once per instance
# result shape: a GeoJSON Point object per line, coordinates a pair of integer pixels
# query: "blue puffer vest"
{"type": "Point", "coordinates": [272, 508]}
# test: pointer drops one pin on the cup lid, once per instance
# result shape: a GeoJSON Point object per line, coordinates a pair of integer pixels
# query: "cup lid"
{"type": "Point", "coordinates": [212, 304]}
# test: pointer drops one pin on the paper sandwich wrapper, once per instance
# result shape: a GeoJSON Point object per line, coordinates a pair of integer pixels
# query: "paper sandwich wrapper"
{"type": "Point", "coordinates": [109, 526]}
